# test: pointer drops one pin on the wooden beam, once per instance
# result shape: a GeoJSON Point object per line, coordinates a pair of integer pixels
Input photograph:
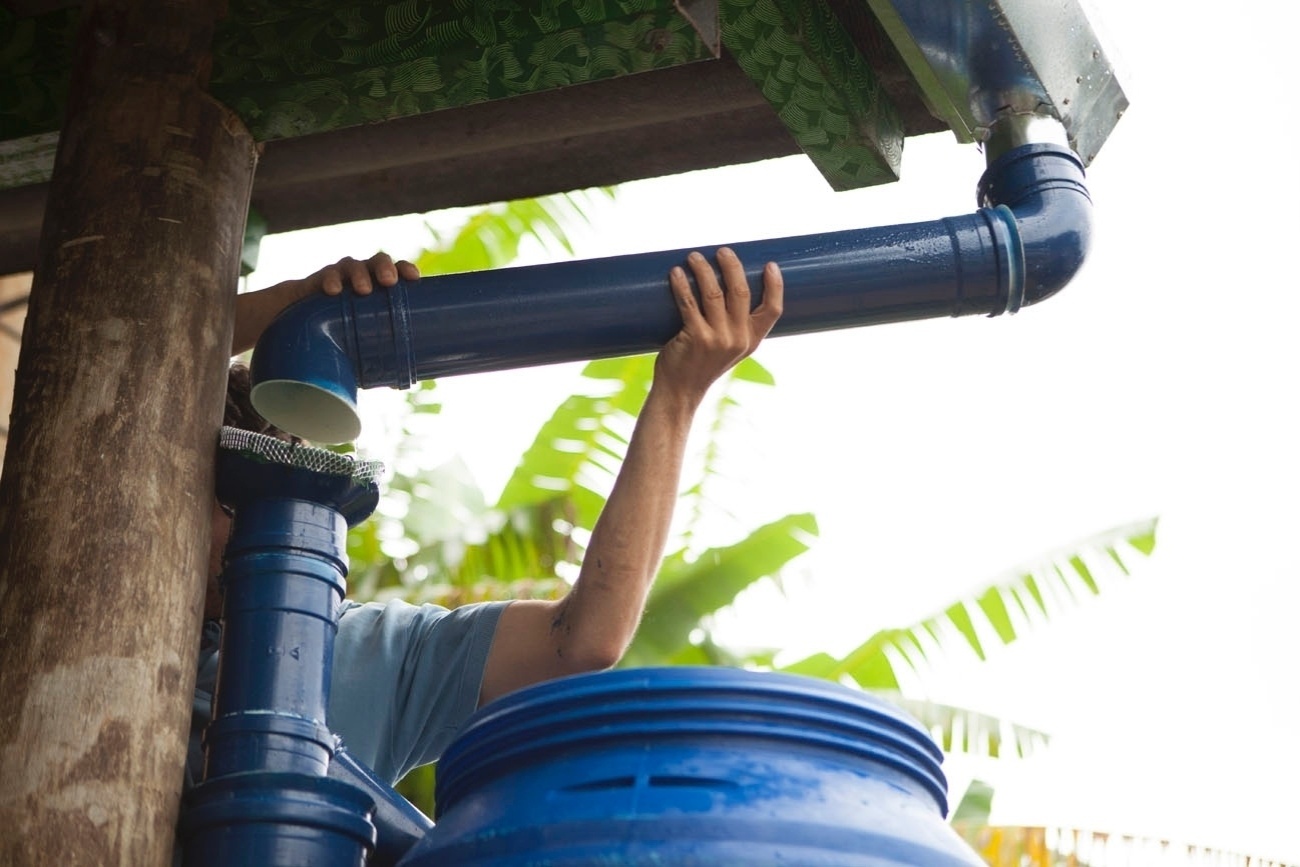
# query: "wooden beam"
{"type": "Point", "coordinates": [106, 495]}
{"type": "Point", "coordinates": [603, 132]}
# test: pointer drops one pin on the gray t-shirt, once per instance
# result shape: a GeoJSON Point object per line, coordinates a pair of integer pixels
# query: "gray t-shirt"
{"type": "Point", "coordinates": [405, 677]}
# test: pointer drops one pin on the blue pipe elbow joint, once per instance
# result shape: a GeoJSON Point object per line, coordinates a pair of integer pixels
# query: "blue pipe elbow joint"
{"type": "Point", "coordinates": [310, 362]}
{"type": "Point", "coordinates": [1042, 187]}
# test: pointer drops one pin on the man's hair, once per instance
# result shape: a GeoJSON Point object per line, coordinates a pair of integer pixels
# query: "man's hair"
{"type": "Point", "coordinates": [239, 406]}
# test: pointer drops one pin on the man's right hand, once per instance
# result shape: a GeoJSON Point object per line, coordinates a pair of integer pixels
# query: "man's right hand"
{"type": "Point", "coordinates": [719, 330]}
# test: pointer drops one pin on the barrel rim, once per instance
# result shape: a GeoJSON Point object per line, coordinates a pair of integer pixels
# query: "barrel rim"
{"type": "Point", "coordinates": [687, 702]}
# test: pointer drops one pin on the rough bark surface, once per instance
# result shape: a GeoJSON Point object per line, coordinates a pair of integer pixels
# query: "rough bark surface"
{"type": "Point", "coordinates": [105, 499]}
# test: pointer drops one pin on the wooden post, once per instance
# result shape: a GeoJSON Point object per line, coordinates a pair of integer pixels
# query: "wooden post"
{"type": "Point", "coordinates": [106, 495]}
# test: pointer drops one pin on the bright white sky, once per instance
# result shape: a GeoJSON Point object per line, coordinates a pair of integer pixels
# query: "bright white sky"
{"type": "Point", "coordinates": [937, 455]}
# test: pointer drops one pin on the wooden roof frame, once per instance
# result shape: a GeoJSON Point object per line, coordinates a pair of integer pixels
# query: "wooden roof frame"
{"type": "Point", "coordinates": [766, 88]}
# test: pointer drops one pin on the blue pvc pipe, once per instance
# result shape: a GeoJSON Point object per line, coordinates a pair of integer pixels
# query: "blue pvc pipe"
{"type": "Point", "coordinates": [1042, 187]}
{"type": "Point", "coordinates": [1024, 244]}
{"type": "Point", "coordinates": [265, 797]}
{"type": "Point", "coordinates": [399, 825]}
{"type": "Point", "coordinates": [284, 580]}
{"type": "Point", "coordinates": [276, 820]}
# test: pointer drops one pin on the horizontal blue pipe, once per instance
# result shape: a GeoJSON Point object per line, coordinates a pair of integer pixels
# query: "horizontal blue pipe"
{"type": "Point", "coordinates": [1024, 244]}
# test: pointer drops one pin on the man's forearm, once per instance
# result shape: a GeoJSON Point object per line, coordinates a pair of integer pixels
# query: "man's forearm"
{"type": "Point", "coordinates": [253, 312]}
{"type": "Point", "coordinates": [598, 618]}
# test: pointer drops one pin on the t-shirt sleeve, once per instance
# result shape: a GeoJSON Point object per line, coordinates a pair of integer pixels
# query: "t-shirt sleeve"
{"type": "Point", "coordinates": [405, 677]}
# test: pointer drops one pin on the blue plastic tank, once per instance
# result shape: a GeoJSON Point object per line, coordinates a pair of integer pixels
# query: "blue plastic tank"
{"type": "Point", "coordinates": [691, 766]}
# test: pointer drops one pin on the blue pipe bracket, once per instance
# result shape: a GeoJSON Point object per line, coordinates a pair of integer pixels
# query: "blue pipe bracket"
{"type": "Point", "coordinates": [1026, 241]}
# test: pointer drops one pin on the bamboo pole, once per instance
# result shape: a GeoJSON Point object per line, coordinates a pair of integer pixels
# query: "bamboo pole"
{"type": "Point", "coordinates": [105, 499]}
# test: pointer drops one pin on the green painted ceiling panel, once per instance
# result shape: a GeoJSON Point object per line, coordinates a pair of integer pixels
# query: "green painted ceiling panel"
{"type": "Point", "coordinates": [305, 66]}
{"type": "Point", "coordinates": [807, 67]}
{"type": "Point", "coordinates": [291, 69]}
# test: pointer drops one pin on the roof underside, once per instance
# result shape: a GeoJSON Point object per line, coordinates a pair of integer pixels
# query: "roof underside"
{"type": "Point", "coordinates": [373, 109]}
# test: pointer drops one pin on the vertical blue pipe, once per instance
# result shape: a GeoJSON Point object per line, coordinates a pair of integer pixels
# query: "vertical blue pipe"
{"type": "Point", "coordinates": [1026, 242]}
{"type": "Point", "coordinates": [284, 580]}
{"type": "Point", "coordinates": [265, 798]}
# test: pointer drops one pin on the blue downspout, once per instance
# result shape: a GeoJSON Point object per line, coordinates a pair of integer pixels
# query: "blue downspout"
{"type": "Point", "coordinates": [1027, 240]}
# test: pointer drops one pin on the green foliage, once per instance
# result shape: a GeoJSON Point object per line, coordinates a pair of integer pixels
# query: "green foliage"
{"type": "Point", "coordinates": [578, 450]}
{"type": "Point", "coordinates": [434, 537]}
{"type": "Point", "coordinates": [999, 612]}
{"type": "Point", "coordinates": [490, 238]}
{"type": "Point", "coordinates": [688, 590]}
{"type": "Point", "coordinates": [449, 548]}
{"type": "Point", "coordinates": [970, 732]}
{"type": "Point", "coordinates": [976, 805]}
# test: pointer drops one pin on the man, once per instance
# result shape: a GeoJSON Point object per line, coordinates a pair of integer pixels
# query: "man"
{"type": "Point", "coordinates": [405, 677]}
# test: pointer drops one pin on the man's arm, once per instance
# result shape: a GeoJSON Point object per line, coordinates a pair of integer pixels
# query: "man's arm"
{"type": "Point", "coordinates": [254, 311]}
{"type": "Point", "coordinates": [591, 627]}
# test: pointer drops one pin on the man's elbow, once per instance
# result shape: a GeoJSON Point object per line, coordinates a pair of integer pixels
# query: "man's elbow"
{"type": "Point", "coordinates": [596, 656]}
{"type": "Point", "coordinates": [583, 643]}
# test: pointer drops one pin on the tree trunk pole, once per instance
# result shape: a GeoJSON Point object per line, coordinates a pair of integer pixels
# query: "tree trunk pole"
{"type": "Point", "coordinates": [106, 495]}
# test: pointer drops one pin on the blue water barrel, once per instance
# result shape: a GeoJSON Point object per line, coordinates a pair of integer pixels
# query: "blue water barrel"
{"type": "Point", "coordinates": [691, 766]}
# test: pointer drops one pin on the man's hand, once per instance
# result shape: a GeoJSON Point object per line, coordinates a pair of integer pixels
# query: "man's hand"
{"type": "Point", "coordinates": [361, 276]}
{"type": "Point", "coordinates": [255, 310]}
{"type": "Point", "coordinates": [719, 330]}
